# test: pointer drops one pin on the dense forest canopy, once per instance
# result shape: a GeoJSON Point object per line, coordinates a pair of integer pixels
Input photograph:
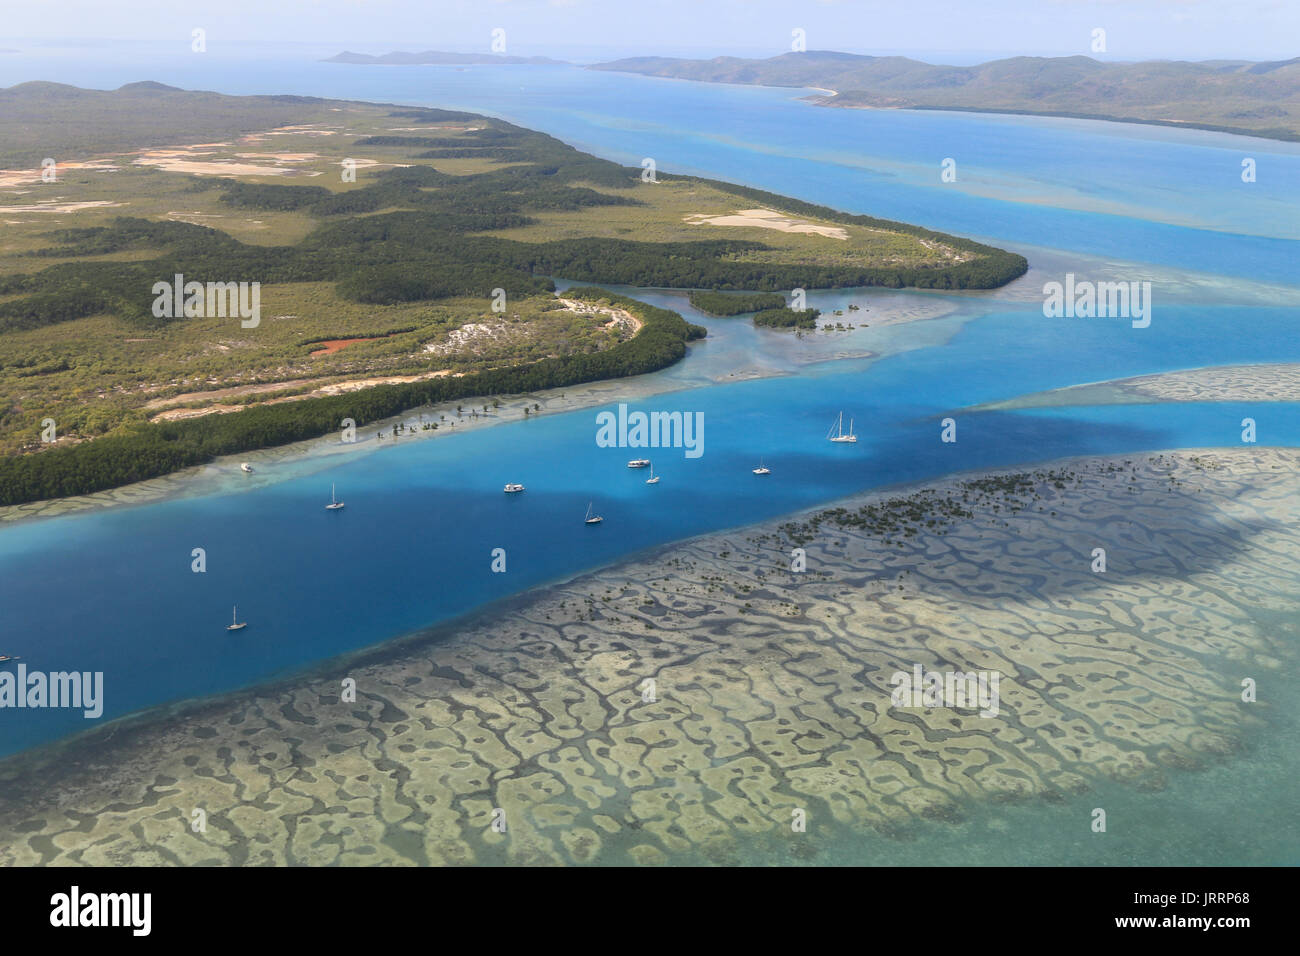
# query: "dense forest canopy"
{"type": "Point", "coordinates": [719, 303]}
{"type": "Point", "coordinates": [787, 318]}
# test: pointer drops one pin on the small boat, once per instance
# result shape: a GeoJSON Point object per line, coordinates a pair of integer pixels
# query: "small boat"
{"type": "Point", "coordinates": [513, 489]}
{"type": "Point", "coordinates": [762, 469]}
{"type": "Point", "coordinates": [653, 479]}
{"type": "Point", "coordinates": [591, 518]}
{"type": "Point", "coordinates": [838, 429]}
{"type": "Point", "coordinates": [235, 624]}
{"type": "Point", "coordinates": [334, 504]}
{"type": "Point", "coordinates": [246, 467]}
{"type": "Point", "coordinates": [638, 462]}
{"type": "Point", "coordinates": [9, 658]}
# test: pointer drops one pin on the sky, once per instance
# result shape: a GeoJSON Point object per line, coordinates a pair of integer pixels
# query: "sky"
{"type": "Point", "coordinates": [949, 31]}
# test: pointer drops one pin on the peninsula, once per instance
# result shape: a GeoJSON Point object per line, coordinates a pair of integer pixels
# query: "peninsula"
{"type": "Point", "coordinates": [368, 259]}
{"type": "Point", "coordinates": [1234, 96]}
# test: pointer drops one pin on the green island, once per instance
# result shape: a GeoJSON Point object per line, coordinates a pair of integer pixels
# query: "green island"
{"type": "Point", "coordinates": [402, 257]}
{"type": "Point", "coordinates": [784, 318]}
{"type": "Point", "coordinates": [724, 304]}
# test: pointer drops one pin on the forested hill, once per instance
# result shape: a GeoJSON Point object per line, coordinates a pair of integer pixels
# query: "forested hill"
{"type": "Point", "coordinates": [1259, 99]}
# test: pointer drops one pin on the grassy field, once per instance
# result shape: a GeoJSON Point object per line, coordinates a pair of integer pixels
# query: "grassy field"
{"type": "Point", "coordinates": [91, 375]}
{"type": "Point", "coordinates": [683, 210]}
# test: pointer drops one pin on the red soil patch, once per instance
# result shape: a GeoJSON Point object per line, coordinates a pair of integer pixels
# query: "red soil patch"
{"type": "Point", "coordinates": [334, 345]}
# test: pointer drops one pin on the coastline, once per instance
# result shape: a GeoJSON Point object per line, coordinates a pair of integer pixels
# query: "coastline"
{"type": "Point", "coordinates": [216, 476]}
{"type": "Point", "coordinates": [1278, 136]}
{"type": "Point", "coordinates": [834, 99]}
{"type": "Point", "coordinates": [543, 689]}
{"type": "Point", "coordinates": [290, 460]}
{"type": "Point", "coordinates": [829, 97]}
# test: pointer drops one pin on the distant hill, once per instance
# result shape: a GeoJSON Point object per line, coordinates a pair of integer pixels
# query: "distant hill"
{"type": "Point", "coordinates": [1239, 96]}
{"type": "Point", "coordinates": [436, 57]}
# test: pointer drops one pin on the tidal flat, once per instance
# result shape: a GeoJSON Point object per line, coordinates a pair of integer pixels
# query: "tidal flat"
{"type": "Point", "coordinates": [771, 689]}
{"type": "Point", "coordinates": [1277, 382]}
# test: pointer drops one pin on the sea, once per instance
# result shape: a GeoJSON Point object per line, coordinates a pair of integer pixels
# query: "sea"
{"type": "Point", "coordinates": [113, 590]}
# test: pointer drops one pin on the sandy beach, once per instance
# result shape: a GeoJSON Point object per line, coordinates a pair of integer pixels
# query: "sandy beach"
{"type": "Point", "coordinates": [274, 464]}
{"type": "Point", "coordinates": [771, 688]}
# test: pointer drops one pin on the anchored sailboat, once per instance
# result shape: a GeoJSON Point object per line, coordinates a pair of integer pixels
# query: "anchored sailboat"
{"type": "Point", "coordinates": [235, 623]}
{"type": "Point", "coordinates": [653, 479]}
{"type": "Point", "coordinates": [592, 518]}
{"type": "Point", "coordinates": [334, 504]}
{"type": "Point", "coordinates": [762, 469]}
{"type": "Point", "coordinates": [838, 429]}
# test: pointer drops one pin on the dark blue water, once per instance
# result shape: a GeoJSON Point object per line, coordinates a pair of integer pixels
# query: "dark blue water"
{"type": "Point", "coordinates": [114, 591]}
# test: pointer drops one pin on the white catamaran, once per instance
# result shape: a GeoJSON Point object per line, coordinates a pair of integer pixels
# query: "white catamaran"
{"type": "Point", "coordinates": [762, 469]}
{"type": "Point", "coordinates": [235, 623]}
{"type": "Point", "coordinates": [653, 479]}
{"type": "Point", "coordinates": [836, 434]}
{"type": "Point", "coordinates": [334, 504]}
{"type": "Point", "coordinates": [592, 518]}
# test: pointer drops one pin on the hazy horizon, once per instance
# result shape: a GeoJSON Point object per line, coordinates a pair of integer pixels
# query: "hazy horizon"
{"type": "Point", "coordinates": [587, 30]}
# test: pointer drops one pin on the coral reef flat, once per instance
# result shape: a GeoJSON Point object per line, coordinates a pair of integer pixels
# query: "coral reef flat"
{"type": "Point", "coordinates": [771, 688]}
